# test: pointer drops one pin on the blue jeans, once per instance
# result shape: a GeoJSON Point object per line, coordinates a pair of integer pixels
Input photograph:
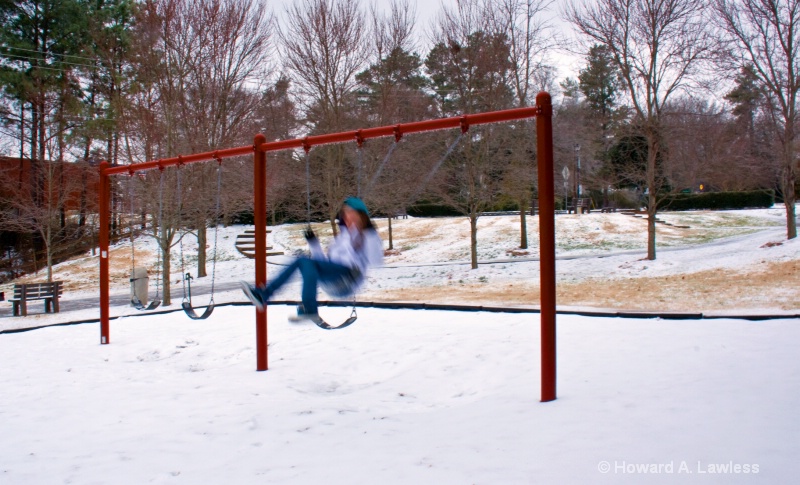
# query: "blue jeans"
{"type": "Point", "coordinates": [314, 271]}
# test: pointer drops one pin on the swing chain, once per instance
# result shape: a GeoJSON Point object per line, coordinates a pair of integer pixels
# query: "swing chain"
{"type": "Point", "coordinates": [359, 160]}
{"type": "Point", "coordinates": [307, 149]}
{"type": "Point", "coordinates": [160, 225]}
{"type": "Point", "coordinates": [179, 191]}
{"type": "Point", "coordinates": [464, 128]}
{"type": "Point", "coordinates": [383, 164]}
{"type": "Point", "coordinates": [216, 227]}
{"type": "Point", "coordinates": [130, 225]}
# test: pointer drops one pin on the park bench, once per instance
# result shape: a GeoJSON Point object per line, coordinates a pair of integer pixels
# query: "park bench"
{"type": "Point", "coordinates": [25, 292]}
{"type": "Point", "coordinates": [581, 204]}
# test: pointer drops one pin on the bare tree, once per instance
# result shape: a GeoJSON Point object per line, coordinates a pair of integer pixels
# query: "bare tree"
{"type": "Point", "coordinates": [470, 68]}
{"type": "Point", "coordinates": [393, 29]}
{"type": "Point", "coordinates": [707, 147]}
{"type": "Point", "coordinates": [323, 47]}
{"type": "Point", "coordinates": [38, 209]}
{"type": "Point", "coordinates": [530, 38]}
{"type": "Point", "coordinates": [659, 46]}
{"type": "Point", "coordinates": [228, 65]}
{"type": "Point", "coordinates": [199, 67]}
{"type": "Point", "coordinates": [392, 90]}
{"type": "Point", "coordinates": [765, 35]}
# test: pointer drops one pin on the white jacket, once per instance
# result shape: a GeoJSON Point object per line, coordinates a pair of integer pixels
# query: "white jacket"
{"type": "Point", "coordinates": [346, 250]}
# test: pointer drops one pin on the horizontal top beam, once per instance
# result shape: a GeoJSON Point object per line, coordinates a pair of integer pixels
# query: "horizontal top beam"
{"type": "Point", "coordinates": [463, 122]}
{"type": "Point", "coordinates": [179, 160]}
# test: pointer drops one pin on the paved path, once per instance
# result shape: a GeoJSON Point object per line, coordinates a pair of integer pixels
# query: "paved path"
{"type": "Point", "coordinates": [200, 292]}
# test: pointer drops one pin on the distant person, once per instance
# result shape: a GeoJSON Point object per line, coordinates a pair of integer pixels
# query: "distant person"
{"type": "Point", "coordinates": [341, 273]}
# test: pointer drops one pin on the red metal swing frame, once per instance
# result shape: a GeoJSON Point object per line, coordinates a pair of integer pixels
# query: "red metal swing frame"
{"type": "Point", "coordinates": [543, 113]}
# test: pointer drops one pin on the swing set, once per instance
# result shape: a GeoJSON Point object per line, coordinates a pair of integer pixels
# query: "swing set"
{"type": "Point", "coordinates": [542, 111]}
{"type": "Point", "coordinates": [186, 302]}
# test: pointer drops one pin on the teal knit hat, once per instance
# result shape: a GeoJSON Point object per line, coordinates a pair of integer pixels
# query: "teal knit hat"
{"type": "Point", "coordinates": [356, 204]}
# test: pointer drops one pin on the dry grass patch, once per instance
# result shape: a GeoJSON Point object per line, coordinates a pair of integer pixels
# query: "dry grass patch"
{"type": "Point", "coordinates": [773, 285]}
{"type": "Point", "coordinates": [415, 230]}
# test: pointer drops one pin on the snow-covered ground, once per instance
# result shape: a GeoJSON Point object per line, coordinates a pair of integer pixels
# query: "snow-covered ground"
{"type": "Point", "coordinates": [418, 397]}
{"type": "Point", "coordinates": [401, 397]}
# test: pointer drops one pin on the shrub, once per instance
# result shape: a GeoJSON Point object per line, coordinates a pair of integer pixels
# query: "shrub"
{"type": "Point", "coordinates": [432, 210]}
{"type": "Point", "coordinates": [719, 200]}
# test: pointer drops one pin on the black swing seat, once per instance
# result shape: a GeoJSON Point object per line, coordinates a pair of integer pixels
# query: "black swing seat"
{"type": "Point", "coordinates": [187, 308]}
{"type": "Point", "coordinates": [326, 326]}
{"type": "Point", "coordinates": [137, 304]}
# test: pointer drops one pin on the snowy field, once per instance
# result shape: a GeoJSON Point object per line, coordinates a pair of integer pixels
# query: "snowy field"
{"type": "Point", "coordinates": [401, 397]}
{"type": "Point", "coordinates": [419, 397]}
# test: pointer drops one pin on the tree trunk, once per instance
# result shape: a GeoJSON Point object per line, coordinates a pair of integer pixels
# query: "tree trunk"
{"type": "Point", "coordinates": [84, 201]}
{"type": "Point", "coordinates": [391, 242]}
{"type": "Point", "coordinates": [202, 254]}
{"type": "Point", "coordinates": [334, 227]}
{"type": "Point", "coordinates": [49, 254]}
{"type": "Point", "coordinates": [789, 200]}
{"type": "Point", "coordinates": [789, 179]}
{"type": "Point", "coordinates": [651, 228]}
{"type": "Point", "coordinates": [166, 272]}
{"type": "Point", "coordinates": [473, 238]}
{"type": "Point", "coordinates": [21, 135]}
{"type": "Point", "coordinates": [62, 195]}
{"type": "Point", "coordinates": [523, 224]}
{"type": "Point", "coordinates": [652, 189]}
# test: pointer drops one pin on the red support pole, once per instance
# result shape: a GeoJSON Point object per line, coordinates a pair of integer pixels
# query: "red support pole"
{"type": "Point", "coordinates": [105, 189]}
{"type": "Point", "coordinates": [260, 222]}
{"type": "Point", "coordinates": [547, 243]}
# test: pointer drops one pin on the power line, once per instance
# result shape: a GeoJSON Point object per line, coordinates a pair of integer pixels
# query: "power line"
{"type": "Point", "coordinates": [93, 59]}
{"type": "Point", "coordinates": [17, 57]}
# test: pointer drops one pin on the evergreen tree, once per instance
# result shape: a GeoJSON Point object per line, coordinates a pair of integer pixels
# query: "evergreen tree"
{"type": "Point", "coordinates": [745, 98]}
{"type": "Point", "coordinates": [472, 76]}
{"type": "Point", "coordinates": [392, 88]}
{"type": "Point", "coordinates": [110, 76]}
{"type": "Point", "coordinates": [41, 42]}
{"type": "Point", "coordinates": [600, 83]}
{"type": "Point", "coordinates": [41, 47]}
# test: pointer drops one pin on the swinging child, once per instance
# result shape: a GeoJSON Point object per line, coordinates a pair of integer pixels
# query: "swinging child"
{"type": "Point", "coordinates": [341, 273]}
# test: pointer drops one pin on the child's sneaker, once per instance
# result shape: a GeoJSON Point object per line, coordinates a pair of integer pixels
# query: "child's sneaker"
{"type": "Point", "coordinates": [251, 294]}
{"type": "Point", "coordinates": [302, 316]}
